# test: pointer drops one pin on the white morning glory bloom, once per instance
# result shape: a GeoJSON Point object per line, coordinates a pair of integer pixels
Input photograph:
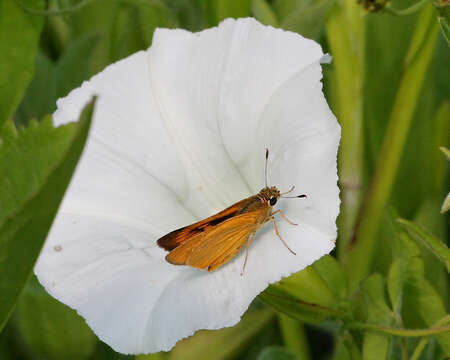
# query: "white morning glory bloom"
{"type": "Point", "coordinates": [178, 134]}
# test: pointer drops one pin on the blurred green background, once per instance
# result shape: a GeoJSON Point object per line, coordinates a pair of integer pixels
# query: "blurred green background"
{"type": "Point", "coordinates": [382, 294]}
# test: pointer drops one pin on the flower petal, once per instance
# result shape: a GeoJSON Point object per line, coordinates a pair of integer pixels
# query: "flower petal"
{"type": "Point", "coordinates": [179, 132]}
{"type": "Point", "coordinates": [121, 174]}
{"type": "Point", "coordinates": [108, 273]}
{"type": "Point", "coordinates": [303, 134]}
{"type": "Point", "coordinates": [215, 101]}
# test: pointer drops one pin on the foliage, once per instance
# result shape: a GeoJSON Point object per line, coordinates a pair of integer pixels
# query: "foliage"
{"type": "Point", "coordinates": [382, 295]}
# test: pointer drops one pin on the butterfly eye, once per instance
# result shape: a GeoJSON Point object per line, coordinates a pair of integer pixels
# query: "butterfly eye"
{"type": "Point", "coordinates": [273, 201]}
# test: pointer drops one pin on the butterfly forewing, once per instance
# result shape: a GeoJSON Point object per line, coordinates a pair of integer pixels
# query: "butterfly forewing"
{"type": "Point", "coordinates": [215, 247]}
{"type": "Point", "coordinates": [179, 236]}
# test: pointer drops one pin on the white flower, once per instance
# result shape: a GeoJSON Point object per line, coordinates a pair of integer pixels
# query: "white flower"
{"type": "Point", "coordinates": [178, 134]}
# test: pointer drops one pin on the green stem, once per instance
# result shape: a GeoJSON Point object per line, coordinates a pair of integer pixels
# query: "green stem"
{"type": "Point", "coordinates": [423, 342]}
{"type": "Point", "coordinates": [363, 244]}
{"type": "Point", "coordinates": [408, 11]}
{"type": "Point", "coordinates": [53, 12]}
{"type": "Point", "coordinates": [419, 348]}
{"type": "Point", "coordinates": [404, 349]}
{"type": "Point", "coordinates": [294, 336]}
{"type": "Point", "coordinates": [59, 32]}
{"type": "Point", "coordinates": [346, 36]}
{"type": "Point", "coordinates": [400, 332]}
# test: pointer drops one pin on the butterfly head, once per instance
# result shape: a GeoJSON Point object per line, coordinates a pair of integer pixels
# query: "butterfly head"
{"type": "Point", "coordinates": [270, 194]}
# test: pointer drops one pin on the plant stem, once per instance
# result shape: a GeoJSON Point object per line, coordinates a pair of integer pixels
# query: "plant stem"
{"type": "Point", "coordinates": [401, 332]}
{"type": "Point", "coordinates": [419, 348]}
{"type": "Point", "coordinates": [57, 31]}
{"type": "Point", "coordinates": [362, 246]}
{"type": "Point", "coordinates": [408, 11]}
{"type": "Point", "coordinates": [294, 336]}
{"type": "Point", "coordinates": [346, 36]}
{"type": "Point", "coordinates": [53, 12]}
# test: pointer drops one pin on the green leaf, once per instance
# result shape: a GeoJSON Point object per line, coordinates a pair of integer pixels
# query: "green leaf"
{"type": "Point", "coordinates": [304, 296]}
{"type": "Point", "coordinates": [77, 55]}
{"type": "Point", "coordinates": [346, 349]}
{"type": "Point", "coordinates": [263, 13]}
{"type": "Point", "coordinates": [308, 286]}
{"type": "Point", "coordinates": [375, 344]}
{"type": "Point", "coordinates": [37, 102]}
{"type": "Point", "coordinates": [225, 343]}
{"type": "Point", "coordinates": [232, 8]}
{"type": "Point", "coordinates": [135, 22]}
{"type": "Point", "coordinates": [277, 353]}
{"type": "Point", "coordinates": [332, 272]}
{"type": "Point", "coordinates": [126, 38]}
{"type": "Point", "coordinates": [53, 81]}
{"type": "Point", "coordinates": [19, 40]}
{"type": "Point", "coordinates": [193, 14]}
{"type": "Point", "coordinates": [95, 18]}
{"type": "Point", "coordinates": [39, 163]}
{"type": "Point", "coordinates": [308, 21]}
{"type": "Point", "coordinates": [436, 246]}
{"type": "Point", "coordinates": [296, 308]}
{"type": "Point", "coordinates": [421, 299]}
{"type": "Point", "coordinates": [152, 15]}
{"type": "Point", "coordinates": [51, 329]}
{"type": "Point", "coordinates": [395, 282]}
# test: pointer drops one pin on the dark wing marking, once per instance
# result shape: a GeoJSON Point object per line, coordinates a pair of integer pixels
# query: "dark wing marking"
{"type": "Point", "coordinates": [177, 237]}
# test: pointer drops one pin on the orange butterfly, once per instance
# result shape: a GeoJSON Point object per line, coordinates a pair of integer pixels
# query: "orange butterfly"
{"type": "Point", "coordinates": [214, 241]}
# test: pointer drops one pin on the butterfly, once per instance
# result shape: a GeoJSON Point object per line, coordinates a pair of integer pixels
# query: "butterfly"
{"type": "Point", "coordinates": [212, 242]}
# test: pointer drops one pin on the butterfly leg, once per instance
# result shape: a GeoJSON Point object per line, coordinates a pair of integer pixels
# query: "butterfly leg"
{"type": "Point", "coordinates": [284, 217]}
{"type": "Point", "coordinates": [278, 234]}
{"type": "Point", "coordinates": [249, 241]}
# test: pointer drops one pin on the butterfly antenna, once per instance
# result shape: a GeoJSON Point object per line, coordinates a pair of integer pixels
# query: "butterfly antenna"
{"type": "Point", "coordinates": [290, 190]}
{"type": "Point", "coordinates": [293, 197]}
{"type": "Point", "coordinates": [265, 168]}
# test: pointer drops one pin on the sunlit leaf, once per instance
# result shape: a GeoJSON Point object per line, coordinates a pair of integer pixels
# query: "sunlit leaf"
{"type": "Point", "coordinates": [49, 328]}
{"type": "Point", "coordinates": [376, 344]}
{"type": "Point", "coordinates": [333, 274]}
{"type": "Point", "coordinates": [422, 299]}
{"type": "Point", "coordinates": [395, 282]}
{"type": "Point", "coordinates": [36, 167]}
